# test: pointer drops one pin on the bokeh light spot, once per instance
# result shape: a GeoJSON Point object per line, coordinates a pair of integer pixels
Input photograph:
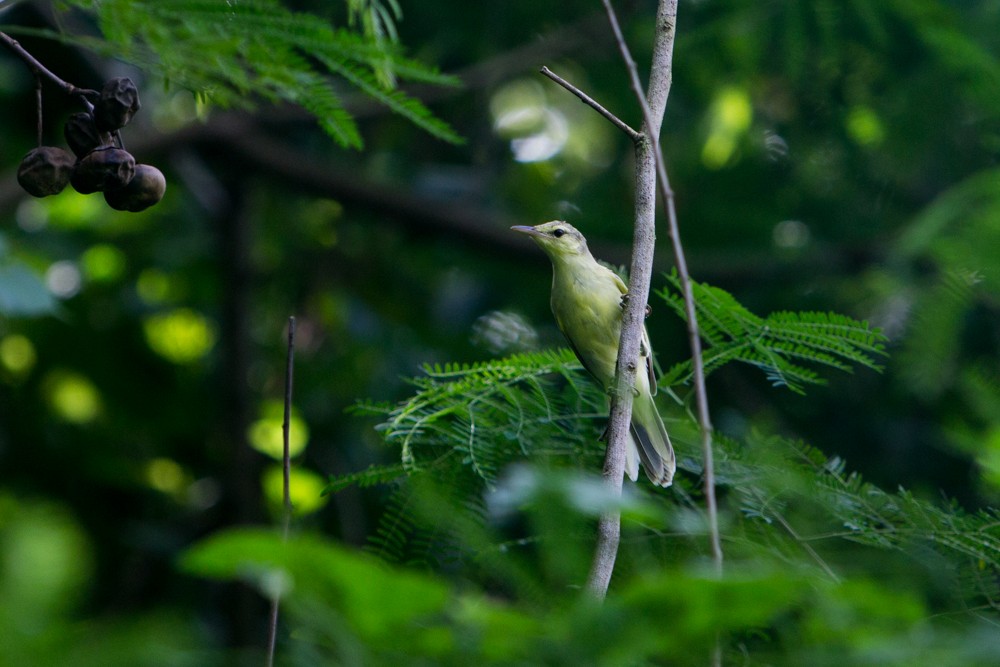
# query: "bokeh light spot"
{"type": "Point", "coordinates": [153, 286]}
{"type": "Point", "coordinates": [181, 336]}
{"type": "Point", "coordinates": [63, 279]}
{"type": "Point", "coordinates": [71, 210]}
{"type": "Point", "coordinates": [17, 354]}
{"type": "Point", "coordinates": [864, 126]}
{"type": "Point", "coordinates": [72, 397]}
{"type": "Point", "coordinates": [729, 119]}
{"type": "Point", "coordinates": [503, 332]}
{"type": "Point", "coordinates": [790, 234]}
{"type": "Point", "coordinates": [45, 558]}
{"type": "Point", "coordinates": [305, 489]}
{"type": "Point", "coordinates": [266, 434]}
{"type": "Point", "coordinates": [166, 475]}
{"type": "Point", "coordinates": [536, 130]}
{"type": "Point", "coordinates": [103, 263]}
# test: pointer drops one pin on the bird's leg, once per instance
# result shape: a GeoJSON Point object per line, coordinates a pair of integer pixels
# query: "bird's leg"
{"type": "Point", "coordinates": [625, 300]}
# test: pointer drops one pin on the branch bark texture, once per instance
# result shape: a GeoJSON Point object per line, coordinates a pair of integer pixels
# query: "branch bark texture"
{"type": "Point", "coordinates": [666, 23]}
{"type": "Point", "coordinates": [640, 274]}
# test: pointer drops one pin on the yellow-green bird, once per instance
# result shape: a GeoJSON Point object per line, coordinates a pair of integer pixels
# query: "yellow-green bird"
{"type": "Point", "coordinates": [587, 303]}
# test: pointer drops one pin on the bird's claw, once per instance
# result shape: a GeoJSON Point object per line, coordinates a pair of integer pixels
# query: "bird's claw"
{"type": "Point", "coordinates": [625, 301]}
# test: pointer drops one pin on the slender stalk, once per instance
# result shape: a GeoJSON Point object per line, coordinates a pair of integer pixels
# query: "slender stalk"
{"type": "Point", "coordinates": [40, 69]}
{"type": "Point", "coordinates": [286, 498]}
{"type": "Point", "coordinates": [609, 525]}
{"type": "Point", "coordinates": [640, 274]}
{"type": "Point", "coordinates": [666, 24]}
{"type": "Point", "coordinates": [592, 103]}
{"type": "Point", "coordinates": [38, 109]}
{"type": "Point", "coordinates": [286, 424]}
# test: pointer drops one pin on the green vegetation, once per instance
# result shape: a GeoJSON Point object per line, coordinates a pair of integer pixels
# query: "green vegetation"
{"type": "Point", "coordinates": [834, 168]}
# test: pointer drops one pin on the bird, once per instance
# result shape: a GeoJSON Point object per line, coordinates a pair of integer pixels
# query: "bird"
{"type": "Point", "coordinates": [587, 301]}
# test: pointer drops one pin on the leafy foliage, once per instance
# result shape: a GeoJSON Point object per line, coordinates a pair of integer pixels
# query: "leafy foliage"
{"type": "Point", "coordinates": [347, 607]}
{"type": "Point", "coordinates": [895, 212]}
{"type": "Point", "coordinates": [786, 506]}
{"type": "Point", "coordinates": [465, 424]}
{"type": "Point", "coordinates": [456, 428]}
{"type": "Point", "coordinates": [526, 401]}
{"type": "Point", "coordinates": [454, 432]}
{"type": "Point", "coordinates": [790, 491]}
{"type": "Point", "coordinates": [777, 344]}
{"type": "Point", "coordinates": [236, 52]}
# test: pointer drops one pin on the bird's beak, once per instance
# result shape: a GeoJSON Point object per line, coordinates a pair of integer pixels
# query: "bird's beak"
{"type": "Point", "coordinates": [524, 229]}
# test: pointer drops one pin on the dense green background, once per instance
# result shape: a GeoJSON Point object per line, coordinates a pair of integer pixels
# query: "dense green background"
{"type": "Point", "coordinates": [830, 156]}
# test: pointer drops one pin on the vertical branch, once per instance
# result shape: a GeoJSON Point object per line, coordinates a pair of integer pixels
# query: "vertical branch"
{"type": "Point", "coordinates": [286, 424]}
{"type": "Point", "coordinates": [640, 274]}
{"type": "Point", "coordinates": [653, 115]}
{"type": "Point", "coordinates": [286, 499]}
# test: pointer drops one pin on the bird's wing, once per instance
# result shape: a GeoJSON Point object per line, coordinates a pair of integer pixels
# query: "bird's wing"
{"type": "Point", "coordinates": [579, 355]}
{"type": "Point", "coordinates": [618, 281]}
{"type": "Point", "coordinates": [646, 350]}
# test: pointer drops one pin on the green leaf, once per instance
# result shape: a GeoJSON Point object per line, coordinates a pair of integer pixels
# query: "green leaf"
{"type": "Point", "coordinates": [238, 53]}
{"type": "Point", "coordinates": [379, 602]}
{"type": "Point", "coordinates": [369, 477]}
{"type": "Point", "coordinates": [779, 345]}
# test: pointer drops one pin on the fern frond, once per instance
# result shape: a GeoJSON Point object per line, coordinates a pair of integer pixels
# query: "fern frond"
{"type": "Point", "coordinates": [771, 475]}
{"type": "Point", "coordinates": [376, 474]}
{"type": "Point", "coordinates": [780, 344]}
{"type": "Point", "coordinates": [477, 418]}
{"type": "Point", "coordinates": [236, 53]}
{"type": "Point", "coordinates": [400, 103]}
{"type": "Point", "coordinates": [929, 358]}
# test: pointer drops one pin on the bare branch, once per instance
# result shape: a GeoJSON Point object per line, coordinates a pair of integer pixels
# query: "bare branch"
{"type": "Point", "coordinates": [665, 31]}
{"type": "Point", "coordinates": [40, 69]}
{"type": "Point", "coordinates": [589, 101]}
{"type": "Point", "coordinates": [286, 424]}
{"type": "Point", "coordinates": [640, 273]}
{"type": "Point", "coordinates": [272, 637]}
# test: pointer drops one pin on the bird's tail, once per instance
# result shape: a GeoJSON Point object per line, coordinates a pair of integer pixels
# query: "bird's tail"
{"type": "Point", "coordinates": [651, 442]}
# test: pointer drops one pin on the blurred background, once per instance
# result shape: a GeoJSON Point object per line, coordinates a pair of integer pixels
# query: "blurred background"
{"type": "Point", "coordinates": [828, 156]}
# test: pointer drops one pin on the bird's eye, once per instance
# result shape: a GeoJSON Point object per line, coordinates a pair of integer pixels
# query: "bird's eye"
{"type": "Point", "coordinates": [558, 233]}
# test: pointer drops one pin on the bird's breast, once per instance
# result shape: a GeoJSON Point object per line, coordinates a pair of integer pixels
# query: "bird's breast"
{"type": "Point", "coordinates": [587, 308]}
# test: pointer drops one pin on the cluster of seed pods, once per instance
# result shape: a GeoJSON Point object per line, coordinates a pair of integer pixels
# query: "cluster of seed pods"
{"type": "Point", "coordinates": [98, 161]}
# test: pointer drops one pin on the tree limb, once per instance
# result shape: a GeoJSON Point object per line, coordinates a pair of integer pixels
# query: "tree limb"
{"type": "Point", "coordinates": [592, 103]}
{"type": "Point", "coordinates": [640, 274]}
{"type": "Point", "coordinates": [653, 114]}
{"type": "Point", "coordinates": [40, 69]}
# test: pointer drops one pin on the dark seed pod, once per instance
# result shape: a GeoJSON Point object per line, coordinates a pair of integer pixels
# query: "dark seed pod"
{"type": "Point", "coordinates": [145, 189]}
{"type": "Point", "coordinates": [102, 170]}
{"type": "Point", "coordinates": [45, 171]}
{"type": "Point", "coordinates": [82, 134]}
{"type": "Point", "coordinates": [118, 103]}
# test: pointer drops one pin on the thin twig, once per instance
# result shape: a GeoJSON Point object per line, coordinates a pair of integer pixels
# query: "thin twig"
{"type": "Point", "coordinates": [286, 425]}
{"type": "Point", "coordinates": [286, 499]}
{"type": "Point", "coordinates": [592, 103]}
{"type": "Point", "coordinates": [38, 108]}
{"type": "Point", "coordinates": [39, 68]}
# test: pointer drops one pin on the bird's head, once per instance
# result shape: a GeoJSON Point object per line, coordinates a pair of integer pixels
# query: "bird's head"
{"type": "Point", "coordinates": [557, 238]}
